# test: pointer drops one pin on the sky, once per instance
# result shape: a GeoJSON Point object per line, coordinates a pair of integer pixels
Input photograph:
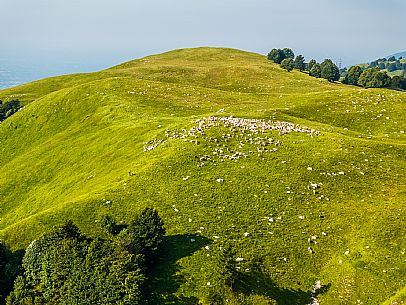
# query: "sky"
{"type": "Point", "coordinates": [50, 37]}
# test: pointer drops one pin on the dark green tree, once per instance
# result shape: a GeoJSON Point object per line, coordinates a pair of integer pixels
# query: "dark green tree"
{"type": "Point", "coordinates": [353, 75]}
{"type": "Point", "coordinates": [374, 63]}
{"type": "Point", "coordinates": [148, 230]}
{"type": "Point", "coordinates": [288, 53]}
{"type": "Point", "coordinates": [398, 82]}
{"type": "Point", "coordinates": [288, 64]}
{"type": "Point", "coordinates": [276, 55]}
{"type": "Point", "coordinates": [382, 65]}
{"type": "Point", "coordinates": [67, 267]}
{"type": "Point", "coordinates": [374, 78]}
{"type": "Point", "coordinates": [9, 108]}
{"type": "Point", "coordinates": [392, 58]}
{"type": "Point", "coordinates": [315, 71]}
{"type": "Point", "coordinates": [329, 70]}
{"type": "Point", "coordinates": [392, 67]}
{"type": "Point", "coordinates": [366, 77]}
{"type": "Point", "coordinates": [300, 63]}
{"type": "Point", "coordinates": [380, 80]}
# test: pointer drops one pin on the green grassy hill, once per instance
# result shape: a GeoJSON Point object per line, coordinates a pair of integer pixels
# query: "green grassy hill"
{"type": "Point", "coordinates": [140, 134]}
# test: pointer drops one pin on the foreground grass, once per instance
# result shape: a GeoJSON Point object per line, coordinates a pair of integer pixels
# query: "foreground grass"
{"type": "Point", "coordinates": [68, 154]}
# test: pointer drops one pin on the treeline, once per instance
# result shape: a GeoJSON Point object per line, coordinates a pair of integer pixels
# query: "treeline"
{"type": "Point", "coordinates": [373, 78]}
{"type": "Point", "coordinates": [68, 267]}
{"type": "Point", "coordinates": [286, 58]}
{"type": "Point", "coordinates": [391, 64]}
{"type": "Point", "coordinates": [9, 108]}
{"type": "Point", "coordinates": [370, 77]}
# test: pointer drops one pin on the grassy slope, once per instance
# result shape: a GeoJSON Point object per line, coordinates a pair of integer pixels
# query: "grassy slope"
{"type": "Point", "coordinates": [70, 149]}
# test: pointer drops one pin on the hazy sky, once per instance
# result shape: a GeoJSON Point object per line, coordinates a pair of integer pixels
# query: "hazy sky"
{"type": "Point", "coordinates": [80, 35]}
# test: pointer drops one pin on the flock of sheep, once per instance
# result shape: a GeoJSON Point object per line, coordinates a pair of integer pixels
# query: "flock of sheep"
{"type": "Point", "coordinates": [250, 135]}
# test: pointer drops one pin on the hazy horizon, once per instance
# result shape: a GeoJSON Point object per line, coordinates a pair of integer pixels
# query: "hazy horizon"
{"type": "Point", "coordinates": [48, 37]}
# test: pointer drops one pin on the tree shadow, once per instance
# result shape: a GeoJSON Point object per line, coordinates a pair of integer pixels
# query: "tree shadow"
{"type": "Point", "coordinates": [256, 282]}
{"type": "Point", "coordinates": [163, 281]}
{"type": "Point", "coordinates": [10, 268]}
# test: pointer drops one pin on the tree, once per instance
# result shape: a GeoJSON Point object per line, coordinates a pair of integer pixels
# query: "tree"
{"type": "Point", "coordinates": [315, 71]}
{"type": "Point", "coordinates": [392, 67]}
{"type": "Point", "coordinates": [329, 70]}
{"type": "Point", "coordinates": [149, 231]}
{"type": "Point", "coordinates": [8, 109]}
{"type": "Point", "coordinates": [353, 75]}
{"type": "Point", "coordinates": [300, 63]}
{"type": "Point", "coordinates": [398, 82]}
{"type": "Point", "coordinates": [287, 64]}
{"type": "Point", "coordinates": [288, 53]}
{"type": "Point", "coordinates": [276, 55]}
{"type": "Point", "coordinates": [311, 63]}
{"type": "Point", "coordinates": [374, 78]}
{"type": "Point", "coordinates": [374, 63]}
{"type": "Point", "coordinates": [366, 77]}
{"type": "Point", "coordinates": [382, 65]}
{"type": "Point", "coordinates": [392, 58]}
{"type": "Point", "coordinates": [380, 80]}
{"type": "Point", "coordinates": [67, 267]}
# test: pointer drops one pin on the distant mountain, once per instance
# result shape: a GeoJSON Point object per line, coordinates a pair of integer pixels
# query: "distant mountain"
{"type": "Point", "coordinates": [397, 55]}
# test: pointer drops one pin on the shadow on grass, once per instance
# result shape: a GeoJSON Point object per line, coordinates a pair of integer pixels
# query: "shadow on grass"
{"type": "Point", "coordinates": [257, 283]}
{"type": "Point", "coordinates": [164, 282]}
{"type": "Point", "coordinates": [10, 267]}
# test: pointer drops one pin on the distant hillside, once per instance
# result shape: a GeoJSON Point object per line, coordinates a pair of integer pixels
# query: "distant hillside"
{"type": "Point", "coordinates": [302, 178]}
{"type": "Point", "coordinates": [394, 65]}
{"type": "Point", "coordinates": [397, 55]}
